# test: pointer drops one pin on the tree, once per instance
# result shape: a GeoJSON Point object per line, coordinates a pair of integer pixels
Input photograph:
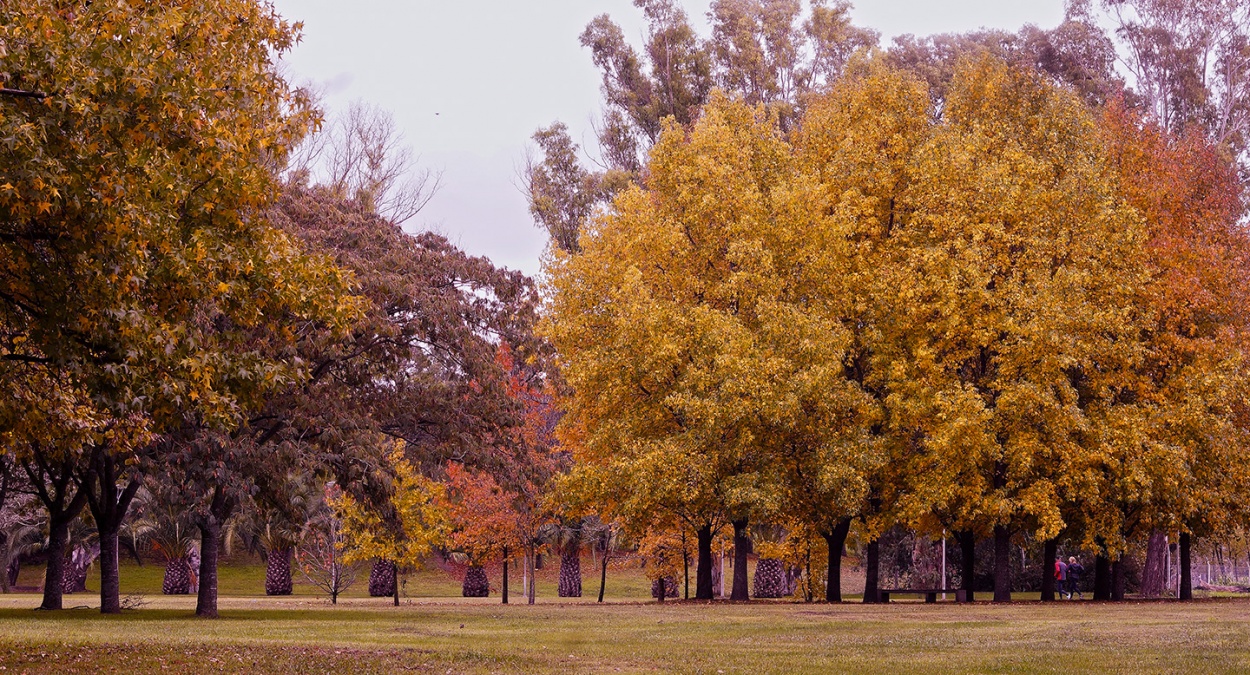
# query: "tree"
{"type": "Point", "coordinates": [1075, 54]}
{"type": "Point", "coordinates": [320, 552]}
{"type": "Point", "coordinates": [759, 50]}
{"type": "Point", "coordinates": [1010, 357]}
{"type": "Point", "coordinates": [676, 326]}
{"type": "Point", "coordinates": [413, 359]}
{"type": "Point", "coordinates": [662, 550]}
{"type": "Point", "coordinates": [562, 194]}
{"type": "Point", "coordinates": [1186, 470]}
{"type": "Point", "coordinates": [361, 157]}
{"type": "Point", "coordinates": [416, 520]}
{"type": "Point", "coordinates": [841, 458]}
{"type": "Point", "coordinates": [1190, 63]}
{"type": "Point", "coordinates": [136, 256]}
{"type": "Point", "coordinates": [52, 432]}
{"type": "Point", "coordinates": [483, 524]}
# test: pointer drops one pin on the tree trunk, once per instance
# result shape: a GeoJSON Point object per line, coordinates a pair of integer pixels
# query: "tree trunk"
{"type": "Point", "coordinates": [504, 592]}
{"type": "Point", "coordinates": [1154, 575]}
{"type": "Point", "coordinates": [1186, 571]}
{"type": "Point", "coordinates": [531, 563]}
{"type": "Point", "coordinates": [703, 570]}
{"type": "Point", "coordinates": [58, 535]}
{"type": "Point", "coordinates": [109, 505]}
{"type": "Point", "coordinates": [667, 586]}
{"type": "Point", "coordinates": [742, 547]}
{"type": "Point", "coordinates": [1002, 564]}
{"type": "Point", "coordinates": [1049, 558]}
{"type": "Point", "coordinates": [835, 540]}
{"type": "Point", "coordinates": [219, 510]}
{"type": "Point", "coordinates": [395, 587]}
{"type": "Point", "coordinates": [872, 572]}
{"type": "Point", "coordinates": [278, 573]}
{"type": "Point", "coordinates": [110, 579]}
{"type": "Point", "coordinates": [968, 558]}
{"type": "Point", "coordinates": [603, 574]}
{"type": "Point", "coordinates": [1117, 579]}
{"type": "Point", "coordinates": [210, 539]}
{"type": "Point", "coordinates": [1102, 578]}
{"type": "Point", "coordinates": [570, 585]}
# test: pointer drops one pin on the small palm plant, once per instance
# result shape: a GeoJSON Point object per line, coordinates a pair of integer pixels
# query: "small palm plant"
{"type": "Point", "coordinates": [173, 539]}
{"type": "Point", "coordinates": [566, 537]}
{"type": "Point", "coordinates": [83, 548]}
{"type": "Point", "coordinates": [278, 524]}
{"type": "Point", "coordinates": [21, 534]}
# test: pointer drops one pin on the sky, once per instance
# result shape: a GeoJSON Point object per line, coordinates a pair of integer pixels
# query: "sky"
{"type": "Point", "coordinates": [469, 81]}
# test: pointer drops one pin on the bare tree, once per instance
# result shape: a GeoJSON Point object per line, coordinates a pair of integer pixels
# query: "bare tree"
{"type": "Point", "coordinates": [1190, 61]}
{"type": "Point", "coordinates": [320, 554]}
{"type": "Point", "coordinates": [360, 155]}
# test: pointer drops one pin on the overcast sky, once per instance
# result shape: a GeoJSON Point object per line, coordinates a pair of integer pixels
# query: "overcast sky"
{"type": "Point", "coordinates": [469, 81]}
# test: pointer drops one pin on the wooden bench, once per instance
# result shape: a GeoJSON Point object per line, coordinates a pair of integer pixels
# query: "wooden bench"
{"type": "Point", "coordinates": [930, 594]}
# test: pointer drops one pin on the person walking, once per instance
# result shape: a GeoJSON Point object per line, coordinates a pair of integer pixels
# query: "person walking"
{"type": "Point", "coordinates": [1075, 570]}
{"type": "Point", "coordinates": [1061, 576]}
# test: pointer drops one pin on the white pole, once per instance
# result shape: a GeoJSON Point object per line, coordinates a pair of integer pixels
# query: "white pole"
{"type": "Point", "coordinates": [1167, 565]}
{"type": "Point", "coordinates": [722, 570]}
{"type": "Point", "coordinates": [943, 564]}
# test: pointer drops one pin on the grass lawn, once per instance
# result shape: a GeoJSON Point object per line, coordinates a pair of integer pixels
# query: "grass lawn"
{"type": "Point", "coordinates": [480, 636]}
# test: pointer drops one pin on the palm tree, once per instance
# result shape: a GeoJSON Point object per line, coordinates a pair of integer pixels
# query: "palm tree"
{"type": "Point", "coordinates": [174, 539]}
{"type": "Point", "coordinates": [21, 534]}
{"type": "Point", "coordinates": [771, 578]}
{"type": "Point", "coordinates": [277, 526]}
{"type": "Point", "coordinates": [382, 579]}
{"type": "Point", "coordinates": [566, 537]}
{"type": "Point", "coordinates": [83, 546]}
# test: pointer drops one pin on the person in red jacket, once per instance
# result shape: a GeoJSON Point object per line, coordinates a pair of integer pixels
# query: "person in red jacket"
{"type": "Point", "coordinates": [1061, 576]}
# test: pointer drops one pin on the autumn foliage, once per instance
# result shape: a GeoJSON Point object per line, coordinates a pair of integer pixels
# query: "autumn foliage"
{"type": "Point", "coordinates": [998, 312]}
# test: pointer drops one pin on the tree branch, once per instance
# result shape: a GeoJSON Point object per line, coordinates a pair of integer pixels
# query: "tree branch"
{"type": "Point", "coordinates": [22, 93]}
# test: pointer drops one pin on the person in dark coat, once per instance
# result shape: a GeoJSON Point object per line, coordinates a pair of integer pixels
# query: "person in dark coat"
{"type": "Point", "coordinates": [1075, 570]}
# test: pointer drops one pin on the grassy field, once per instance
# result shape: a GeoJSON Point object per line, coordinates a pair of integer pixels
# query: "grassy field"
{"type": "Point", "coordinates": [432, 631]}
{"type": "Point", "coordinates": [480, 636]}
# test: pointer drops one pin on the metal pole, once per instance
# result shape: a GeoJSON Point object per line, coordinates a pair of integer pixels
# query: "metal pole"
{"type": "Point", "coordinates": [943, 564]}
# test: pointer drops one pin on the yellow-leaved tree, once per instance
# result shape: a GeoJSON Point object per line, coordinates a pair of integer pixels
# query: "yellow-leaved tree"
{"type": "Point", "coordinates": [856, 149]}
{"type": "Point", "coordinates": [652, 323]}
{"type": "Point", "coordinates": [1014, 290]}
{"type": "Point", "coordinates": [703, 333]}
{"type": "Point", "coordinates": [406, 529]}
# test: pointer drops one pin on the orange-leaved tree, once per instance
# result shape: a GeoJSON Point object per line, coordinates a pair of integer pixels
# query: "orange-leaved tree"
{"type": "Point", "coordinates": [484, 525]}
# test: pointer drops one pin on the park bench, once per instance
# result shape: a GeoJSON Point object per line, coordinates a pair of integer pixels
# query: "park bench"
{"type": "Point", "coordinates": [930, 594]}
